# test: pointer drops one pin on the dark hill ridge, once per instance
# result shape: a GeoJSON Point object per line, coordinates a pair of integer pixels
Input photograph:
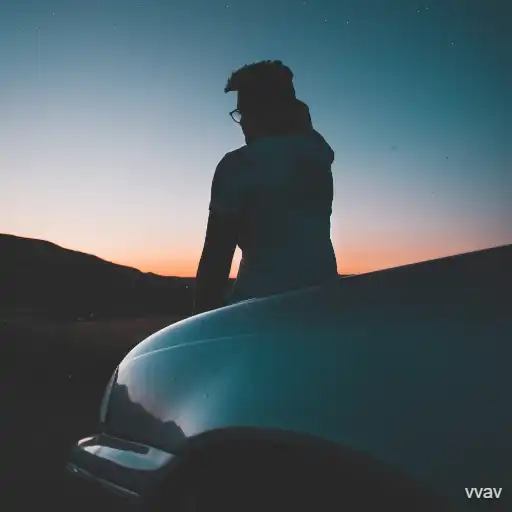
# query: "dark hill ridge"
{"type": "Point", "coordinates": [43, 279]}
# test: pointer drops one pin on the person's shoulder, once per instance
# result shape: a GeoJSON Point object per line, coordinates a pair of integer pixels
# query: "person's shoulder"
{"type": "Point", "coordinates": [229, 182]}
{"type": "Point", "coordinates": [232, 161]}
{"type": "Point", "coordinates": [237, 154]}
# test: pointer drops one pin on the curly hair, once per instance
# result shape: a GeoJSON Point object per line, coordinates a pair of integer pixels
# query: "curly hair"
{"type": "Point", "coordinates": [264, 78]}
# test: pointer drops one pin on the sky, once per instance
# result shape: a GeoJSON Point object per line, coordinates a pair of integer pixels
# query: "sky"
{"type": "Point", "coordinates": [113, 118]}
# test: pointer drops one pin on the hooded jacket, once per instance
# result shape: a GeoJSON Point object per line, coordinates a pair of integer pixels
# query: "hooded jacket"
{"type": "Point", "coordinates": [280, 189]}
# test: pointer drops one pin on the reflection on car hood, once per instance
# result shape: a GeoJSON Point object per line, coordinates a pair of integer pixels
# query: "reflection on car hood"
{"type": "Point", "coordinates": [279, 312]}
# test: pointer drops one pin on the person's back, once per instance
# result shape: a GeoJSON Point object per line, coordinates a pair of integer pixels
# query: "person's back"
{"type": "Point", "coordinates": [272, 197]}
{"type": "Point", "coordinates": [284, 190]}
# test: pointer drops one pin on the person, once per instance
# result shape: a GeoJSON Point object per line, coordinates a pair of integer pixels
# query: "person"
{"type": "Point", "coordinates": [272, 197]}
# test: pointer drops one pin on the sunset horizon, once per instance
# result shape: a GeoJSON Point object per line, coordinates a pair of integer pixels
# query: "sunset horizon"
{"type": "Point", "coordinates": [189, 270]}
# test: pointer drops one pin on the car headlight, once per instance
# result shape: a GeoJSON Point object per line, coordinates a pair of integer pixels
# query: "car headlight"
{"type": "Point", "coordinates": [106, 397]}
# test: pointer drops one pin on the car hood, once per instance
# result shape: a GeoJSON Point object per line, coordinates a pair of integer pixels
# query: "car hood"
{"type": "Point", "coordinates": [284, 312]}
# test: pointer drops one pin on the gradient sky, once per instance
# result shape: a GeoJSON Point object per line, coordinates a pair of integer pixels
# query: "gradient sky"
{"type": "Point", "coordinates": [113, 119]}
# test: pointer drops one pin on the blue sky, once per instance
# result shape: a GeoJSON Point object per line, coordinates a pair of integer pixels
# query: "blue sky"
{"type": "Point", "coordinates": [113, 118]}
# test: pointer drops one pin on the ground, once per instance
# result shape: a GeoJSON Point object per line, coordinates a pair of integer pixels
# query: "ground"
{"type": "Point", "coordinates": [52, 377]}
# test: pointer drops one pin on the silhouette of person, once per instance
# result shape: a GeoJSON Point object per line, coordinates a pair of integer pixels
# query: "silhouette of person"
{"type": "Point", "coordinates": [272, 197]}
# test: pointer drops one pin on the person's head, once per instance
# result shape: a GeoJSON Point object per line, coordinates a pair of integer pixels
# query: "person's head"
{"type": "Point", "coordinates": [266, 103]}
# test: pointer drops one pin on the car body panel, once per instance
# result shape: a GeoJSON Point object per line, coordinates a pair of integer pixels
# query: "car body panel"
{"type": "Point", "coordinates": [410, 365]}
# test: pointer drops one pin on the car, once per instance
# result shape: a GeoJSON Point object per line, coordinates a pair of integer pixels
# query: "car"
{"type": "Point", "coordinates": [384, 390]}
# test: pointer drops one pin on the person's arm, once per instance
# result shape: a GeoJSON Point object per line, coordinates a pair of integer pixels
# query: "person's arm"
{"type": "Point", "coordinates": [215, 263]}
{"type": "Point", "coordinates": [222, 232]}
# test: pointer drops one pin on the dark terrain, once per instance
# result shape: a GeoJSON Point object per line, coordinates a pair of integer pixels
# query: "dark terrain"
{"type": "Point", "coordinates": [43, 280]}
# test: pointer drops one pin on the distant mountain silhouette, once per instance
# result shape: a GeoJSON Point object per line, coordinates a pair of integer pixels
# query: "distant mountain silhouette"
{"type": "Point", "coordinates": [42, 279]}
{"type": "Point", "coordinates": [39, 278]}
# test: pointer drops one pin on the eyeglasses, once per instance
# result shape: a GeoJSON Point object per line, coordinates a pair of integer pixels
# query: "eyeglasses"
{"type": "Point", "coordinates": [236, 115]}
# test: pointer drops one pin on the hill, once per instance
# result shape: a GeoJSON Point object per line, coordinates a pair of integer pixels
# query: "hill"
{"type": "Point", "coordinates": [41, 279]}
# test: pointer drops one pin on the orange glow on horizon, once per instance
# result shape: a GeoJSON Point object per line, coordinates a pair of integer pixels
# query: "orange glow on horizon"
{"type": "Point", "coordinates": [174, 267]}
{"type": "Point", "coordinates": [356, 263]}
{"type": "Point", "coordinates": [351, 260]}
